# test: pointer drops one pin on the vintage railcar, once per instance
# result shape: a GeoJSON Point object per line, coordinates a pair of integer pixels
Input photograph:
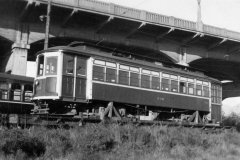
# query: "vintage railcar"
{"type": "Point", "coordinates": [85, 76]}
{"type": "Point", "coordinates": [15, 94]}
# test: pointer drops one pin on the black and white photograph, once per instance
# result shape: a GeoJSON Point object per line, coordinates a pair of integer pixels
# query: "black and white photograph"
{"type": "Point", "coordinates": [119, 79]}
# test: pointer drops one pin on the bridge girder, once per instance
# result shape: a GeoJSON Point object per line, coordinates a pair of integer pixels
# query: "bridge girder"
{"type": "Point", "coordinates": [118, 30]}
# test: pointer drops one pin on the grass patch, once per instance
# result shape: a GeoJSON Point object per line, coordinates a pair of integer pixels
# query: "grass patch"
{"type": "Point", "coordinates": [111, 141]}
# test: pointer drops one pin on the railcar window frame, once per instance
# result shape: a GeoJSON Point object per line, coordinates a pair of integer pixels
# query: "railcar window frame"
{"type": "Point", "coordinates": [165, 85]}
{"type": "Point", "coordinates": [51, 65]}
{"type": "Point", "coordinates": [81, 66]}
{"type": "Point", "coordinates": [66, 66]}
{"type": "Point", "coordinates": [146, 81]}
{"type": "Point", "coordinates": [111, 77]}
{"type": "Point", "coordinates": [40, 68]}
{"type": "Point", "coordinates": [191, 90]}
{"type": "Point", "coordinates": [135, 79]}
{"type": "Point", "coordinates": [97, 75]}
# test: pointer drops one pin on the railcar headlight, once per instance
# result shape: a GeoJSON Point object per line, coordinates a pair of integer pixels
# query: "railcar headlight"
{"type": "Point", "coordinates": [36, 82]}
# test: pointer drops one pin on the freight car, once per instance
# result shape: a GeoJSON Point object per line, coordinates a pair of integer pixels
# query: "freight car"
{"type": "Point", "coordinates": [15, 94]}
{"type": "Point", "coordinates": [86, 78]}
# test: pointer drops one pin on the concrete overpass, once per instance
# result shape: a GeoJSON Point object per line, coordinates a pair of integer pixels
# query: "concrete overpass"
{"type": "Point", "coordinates": [167, 38]}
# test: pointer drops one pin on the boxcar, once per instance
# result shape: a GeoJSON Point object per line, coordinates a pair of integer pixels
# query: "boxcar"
{"type": "Point", "coordinates": [15, 94]}
{"type": "Point", "coordinates": [88, 76]}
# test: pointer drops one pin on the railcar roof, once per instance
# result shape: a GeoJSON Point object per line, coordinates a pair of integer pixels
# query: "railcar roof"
{"type": "Point", "coordinates": [16, 77]}
{"type": "Point", "coordinates": [106, 52]}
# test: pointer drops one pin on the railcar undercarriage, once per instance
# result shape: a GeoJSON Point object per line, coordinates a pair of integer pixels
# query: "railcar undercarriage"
{"type": "Point", "coordinates": [97, 111]}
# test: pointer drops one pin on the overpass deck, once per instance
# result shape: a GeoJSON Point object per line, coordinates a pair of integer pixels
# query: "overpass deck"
{"type": "Point", "coordinates": [143, 16]}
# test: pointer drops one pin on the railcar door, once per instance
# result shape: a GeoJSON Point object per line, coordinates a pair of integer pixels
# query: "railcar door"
{"type": "Point", "coordinates": [74, 77]}
{"type": "Point", "coordinates": [81, 73]}
{"type": "Point", "coordinates": [68, 76]}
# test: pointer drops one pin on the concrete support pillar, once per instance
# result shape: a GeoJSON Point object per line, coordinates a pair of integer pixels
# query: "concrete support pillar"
{"type": "Point", "coordinates": [183, 56]}
{"type": "Point", "coordinates": [17, 61]}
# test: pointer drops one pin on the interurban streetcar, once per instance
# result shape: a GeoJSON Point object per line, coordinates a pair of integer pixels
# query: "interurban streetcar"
{"type": "Point", "coordinates": [83, 77]}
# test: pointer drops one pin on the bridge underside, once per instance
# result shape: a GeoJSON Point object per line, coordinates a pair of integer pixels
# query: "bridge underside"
{"type": "Point", "coordinates": [21, 26]}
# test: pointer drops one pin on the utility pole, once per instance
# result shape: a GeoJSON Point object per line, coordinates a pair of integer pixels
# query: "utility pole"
{"type": "Point", "coordinates": [199, 17]}
{"type": "Point", "coordinates": [47, 24]}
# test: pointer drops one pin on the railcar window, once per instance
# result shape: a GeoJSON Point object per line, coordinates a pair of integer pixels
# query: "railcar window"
{"type": "Point", "coordinates": [51, 65]}
{"type": "Point", "coordinates": [40, 65]}
{"type": "Point", "coordinates": [123, 77]}
{"type": "Point", "coordinates": [156, 83]}
{"type": "Point", "coordinates": [134, 69]}
{"type": "Point", "coordinates": [68, 63]}
{"type": "Point", "coordinates": [111, 75]}
{"type": "Point", "coordinates": [99, 62]}
{"type": "Point", "coordinates": [199, 90]}
{"type": "Point", "coordinates": [165, 75]}
{"type": "Point", "coordinates": [145, 81]}
{"type": "Point", "coordinates": [205, 91]}
{"type": "Point", "coordinates": [173, 77]}
{"type": "Point", "coordinates": [110, 64]}
{"type": "Point", "coordinates": [216, 93]}
{"type": "Point", "coordinates": [28, 93]}
{"type": "Point", "coordinates": [213, 91]}
{"type": "Point", "coordinates": [81, 66]}
{"type": "Point", "coordinates": [219, 94]}
{"type": "Point", "coordinates": [98, 73]}
{"type": "Point", "coordinates": [134, 79]}
{"type": "Point", "coordinates": [16, 92]}
{"type": "Point", "coordinates": [3, 85]}
{"type": "Point", "coordinates": [206, 83]}
{"type": "Point", "coordinates": [155, 74]}
{"type": "Point", "coordinates": [165, 84]}
{"type": "Point", "coordinates": [124, 67]}
{"type": "Point", "coordinates": [3, 90]}
{"type": "Point", "coordinates": [190, 80]}
{"type": "Point", "coordinates": [174, 86]}
{"type": "Point", "coordinates": [190, 88]}
{"type": "Point", "coordinates": [182, 87]}
{"type": "Point", "coordinates": [183, 79]}
{"type": "Point", "coordinates": [146, 71]}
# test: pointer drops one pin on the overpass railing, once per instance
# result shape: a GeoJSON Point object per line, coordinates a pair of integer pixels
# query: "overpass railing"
{"type": "Point", "coordinates": [113, 9]}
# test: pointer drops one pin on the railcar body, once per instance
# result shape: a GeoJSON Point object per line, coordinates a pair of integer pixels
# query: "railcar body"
{"type": "Point", "coordinates": [15, 94]}
{"type": "Point", "coordinates": [87, 76]}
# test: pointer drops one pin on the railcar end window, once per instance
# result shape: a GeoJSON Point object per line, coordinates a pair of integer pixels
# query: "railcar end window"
{"type": "Point", "coordinates": [81, 66]}
{"type": "Point", "coordinates": [51, 65]}
{"type": "Point", "coordinates": [111, 75]}
{"type": "Point", "coordinates": [68, 64]}
{"type": "Point", "coordinates": [98, 73]}
{"type": "Point", "coordinates": [40, 65]}
{"type": "Point", "coordinates": [123, 77]}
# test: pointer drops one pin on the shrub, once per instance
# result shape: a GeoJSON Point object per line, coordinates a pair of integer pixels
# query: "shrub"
{"type": "Point", "coordinates": [31, 146]}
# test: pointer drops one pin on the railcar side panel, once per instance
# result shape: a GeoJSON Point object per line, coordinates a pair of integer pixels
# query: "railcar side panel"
{"type": "Point", "coordinates": [216, 112]}
{"type": "Point", "coordinates": [143, 97]}
{"type": "Point", "coordinates": [45, 87]}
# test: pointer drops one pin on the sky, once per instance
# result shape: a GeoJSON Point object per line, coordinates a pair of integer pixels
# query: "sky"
{"type": "Point", "coordinates": [219, 13]}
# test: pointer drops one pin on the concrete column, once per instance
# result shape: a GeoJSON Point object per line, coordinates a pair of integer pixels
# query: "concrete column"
{"type": "Point", "coordinates": [17, 61]}
{"type": "Point", "coordinates": [183, 56]}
